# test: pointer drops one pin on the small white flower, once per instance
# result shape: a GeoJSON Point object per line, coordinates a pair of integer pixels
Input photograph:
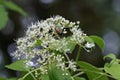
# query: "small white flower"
{"type": "Point", "coordinates": [72, 65]}
{"type": "Point", "coordinates": [89, 45]}
{"type": "Point", "coordinates": [65, 74]}
{"type": "Point", "coordinates": [29, 63]}
{"type": "Point", "coordinates": [43, 38]}
{"type": "Point", "coordinates": [78, 22]}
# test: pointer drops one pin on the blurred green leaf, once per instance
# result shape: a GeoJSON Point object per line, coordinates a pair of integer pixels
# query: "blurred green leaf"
{"type": "Point", "coordinates": [18, 66]}
{"type": "Point", "coordinates": [12, 79]}
{"type": "Point", "coordinates": [14, 7]}
{"type": "Point", "coordinates": [8, 79]}
{"type": "Point", "coordinates": [3, 17]}
{"type": "Point", "coordinates": [92, 72]}
{"type": "Point", "coordinates": [99, 41]}
{"type": "Point", "coordinates": [79, 78]}
{"type": "Point", "coordinates": [45, 77]}
{"type": "Point", "coordinates": [2, 78]}
{"type": "Point", "coordinates": [113, 69]}
{"type": "Point", "coordinates": [88, 39]}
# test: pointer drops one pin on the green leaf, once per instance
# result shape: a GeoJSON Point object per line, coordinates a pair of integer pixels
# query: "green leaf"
{"type": "Point", "coordinates": [57, 74]}
{"type": "Point", "coordinates": [92, 72]}
{"type": "Point", "coordinates": [8, 79]}
{"type": "Point", "coordinates": [71, 45]}
{"type": "Point", "coordinates": [112, 56]}
{"type": "Point", "coordinates": [79, 78]}
{"type": "Point", "coordinates": [14, 7]}
{"type": "Point", "coordinates": [12, 79]}
{"type": "Point", "coordinates": [113, 69]}
{"type": "Point", "coordinates": [2, 79]}
{"type": "Point", "coordinates": [29, 77]}
{"type": "Point", "coordinates": [3, 17]}
{"type": "Point", "coordinates": [45, 77]}
{"type": "Point", "coordinates": [99, 41]}
{"type": "Point", "coordinates": [88, 39]}
{"type": "Point", "coordinates": [18, 66]}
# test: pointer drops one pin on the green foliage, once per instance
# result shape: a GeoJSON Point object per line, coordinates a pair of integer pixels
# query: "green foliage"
{"type": "Point", "coordinates": [8, 79]}
{"type": "Point", "coordinates": [112, 56]}
{"type": "Point", "coordinates": [12, 79]}
{"type": "Point", "coordinates": [79, 78]}
{"type": "Point", "coordinates": [3, 17]}
{"type": "Point", "coordinates": [88, 39]}
{"type": "Point", "coordinates": [99, 41]}
{"type": "Point", "coordinates": [92, 72]}
{"type": "Point", "coordinates": [4, 14]}
{"type": "Point", "coordinates": [12, 6]}
{"type": "Point", "coordinates": [71, 45]}
{"type": "Point", "coordinates": [45, 77]}
{"type": "Point", "coordinates": [50, 64]}
{"type": "Point", "coordinates": [29, 77]}
{"type": "Point", "coordinates": [18, 66]}
{"type": "Point", "coordinates": [113, 67]}
{"type": "Point", "coordinates": [2, 78]}
{"type": "Point", "coordinates": [58, 74]}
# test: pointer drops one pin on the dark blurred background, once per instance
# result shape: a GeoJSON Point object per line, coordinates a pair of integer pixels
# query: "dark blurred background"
{"type": "Point", "coordinates": [97, 17]}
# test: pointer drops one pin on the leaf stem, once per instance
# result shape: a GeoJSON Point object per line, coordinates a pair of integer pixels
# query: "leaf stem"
{"type": "Point", "coordinates": [30, 72]}
{"type": "Point", "coordinates": [67, 56]}
{"type": "Point", "coordinates": [78, 74]}
{"type": "Point", "coordinates": [32, 75]}
{"type": "Point", "coordinates": [78, 54]}
{"type": "Point", "coordinates": [101, 73]}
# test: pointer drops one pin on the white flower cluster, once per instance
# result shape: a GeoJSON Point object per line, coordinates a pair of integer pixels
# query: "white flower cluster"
{"type": "Point", "coordinates": [45, 40]}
